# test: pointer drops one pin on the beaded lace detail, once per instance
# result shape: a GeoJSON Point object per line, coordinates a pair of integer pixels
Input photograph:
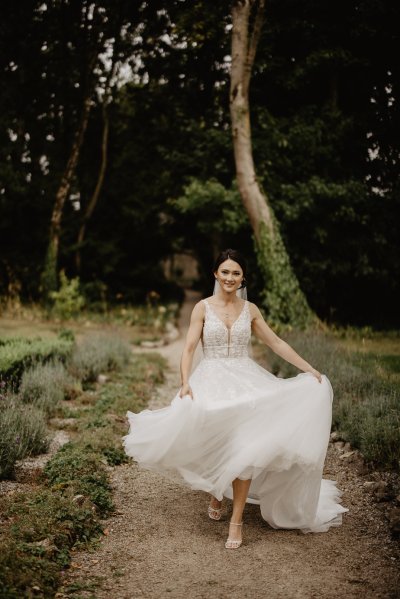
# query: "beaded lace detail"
{"type": "Point", "coordinates": [220, 342]}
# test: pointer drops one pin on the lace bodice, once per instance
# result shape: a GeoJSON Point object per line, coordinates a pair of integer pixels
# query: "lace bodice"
{"type": "Point", "coordinates": [220, 342]}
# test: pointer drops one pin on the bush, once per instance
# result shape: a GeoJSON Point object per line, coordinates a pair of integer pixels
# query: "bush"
{"type": "Point", "coordinates": [45, 527]}
{"type": "Point", "coordinates": [373, 425]}
{"type": "Point", "coordinates": [97, 354]}
{"type": "Point", "coordinates": [21, 570]}
{"type": "Point", "coordinates": [22, 433]}
{"type": "Point", "coordinates": [17, 354]}
{"type": "Point", "coordinates": [365, 409]}
{"type": "Point", "coordinates": [45, 385]}
{"type": "Point", "coordinates": [68, 300]}
{"type": "Point", "coordinates": [81, 470]}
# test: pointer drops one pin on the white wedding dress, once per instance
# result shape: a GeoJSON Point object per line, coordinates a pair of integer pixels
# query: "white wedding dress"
{"type": "Point", "coordinates": [244, 422]}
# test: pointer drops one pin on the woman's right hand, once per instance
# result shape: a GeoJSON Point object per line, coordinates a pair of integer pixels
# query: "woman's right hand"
{"type": "Point", "coordinates": [186, 390]}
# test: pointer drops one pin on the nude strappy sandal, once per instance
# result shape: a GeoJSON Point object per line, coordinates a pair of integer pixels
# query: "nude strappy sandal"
{"type": "Point", "coordinates": [233, 544]}
{"type": "Point", "coordinates": [214, 513]}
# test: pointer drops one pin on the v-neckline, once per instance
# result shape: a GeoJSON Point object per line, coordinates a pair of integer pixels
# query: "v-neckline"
{"type": "Point", "coordinates": [229, 329]}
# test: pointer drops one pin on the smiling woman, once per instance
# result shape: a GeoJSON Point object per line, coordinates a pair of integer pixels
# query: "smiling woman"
{"type": "Point", "coordinates": [236, 430]}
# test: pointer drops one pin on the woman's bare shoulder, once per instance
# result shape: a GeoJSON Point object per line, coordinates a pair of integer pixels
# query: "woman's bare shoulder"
{"type": "Point", "coordinates": [199, 309]}
{"type": "Point", "coordinates": [254, 310]}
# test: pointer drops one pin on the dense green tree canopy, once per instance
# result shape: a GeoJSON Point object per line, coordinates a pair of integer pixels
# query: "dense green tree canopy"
{"type": "Point", "coordinates": [325, 116]}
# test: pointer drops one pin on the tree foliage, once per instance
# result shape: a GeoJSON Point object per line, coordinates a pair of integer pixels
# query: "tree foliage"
{"type": "Point", "coordinates": [325, 115]}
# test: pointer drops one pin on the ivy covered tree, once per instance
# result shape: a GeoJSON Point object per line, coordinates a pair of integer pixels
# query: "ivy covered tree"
{"type": "Point", "coordinates": [324, 113]}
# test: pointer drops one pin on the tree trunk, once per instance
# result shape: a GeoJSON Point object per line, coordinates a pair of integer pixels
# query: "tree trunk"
{"type": "Point", "coordinates": [93, 200]}
{"type": "Point", "coordinates": [49, 277]}
{"type": "Point", "coordinates": [282, 296]}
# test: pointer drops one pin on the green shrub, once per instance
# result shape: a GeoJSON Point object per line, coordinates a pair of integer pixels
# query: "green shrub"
{"type": "Point", "coordinates": [46, 525]}
{"type": "Point", "coordinates": [82, 470]}
{"type": "Point", "coordinates": [365, 409]}
{"type": "Point", "coordinates": [68, 300]}
{"type": "Point", "coordinates": [373, 425]}
{"type": "Point", "coordinates": [45, 385]}
{"type": "Point", "coordinates": [99, 353]}
{"type": "Point", "coordinates": [17, 354]}
{"type": "Point", "coordinates": [66, 334]}
{"type": "Point", "coordinates": [22, 433]}
{"type": "Point", "coordinates": [21, 571]}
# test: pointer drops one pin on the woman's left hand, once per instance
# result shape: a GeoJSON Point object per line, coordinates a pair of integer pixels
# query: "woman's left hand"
{"type": "Point", "coordinates": [317, 374]}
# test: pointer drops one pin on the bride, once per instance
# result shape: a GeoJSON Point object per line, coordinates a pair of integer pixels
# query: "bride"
{"type": "Point", "coordinates": [236, 430]}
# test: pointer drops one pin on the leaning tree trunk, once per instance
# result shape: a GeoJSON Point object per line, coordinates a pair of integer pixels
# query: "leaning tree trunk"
{"type": "Point", "coordinates": [49, 277]}
{"type": "Point", "coordinates": [283, 298]}
{"type": "Point", "coordinates": [93, 200]}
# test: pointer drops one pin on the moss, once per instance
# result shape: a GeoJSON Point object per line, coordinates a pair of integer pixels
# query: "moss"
{"type": "Point", "coordinates": [282, 298]}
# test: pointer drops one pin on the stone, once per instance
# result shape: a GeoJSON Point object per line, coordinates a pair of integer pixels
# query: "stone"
{"type": "Point", "coordinates": [152, 344]}
{"type": "Point", "coordinates": [394, 520]}
{"type": "Point", "coordinates": [382, 491]}
{"type": "Point", "coordinates": [339, 445]}
{"type": "Point", "coordinates": [346, 455]}
{"type": "Point", "coordinates": [79, 499]}
{"type": "Point", "coordinates": [172, 333]}
{"type": "Point", "coordinates": [370, 485]}
{"type": "Point", "coordinates": [334, 436]}
{"type": "Point", "coordinates": [347, 446]}
{"type": "Point", "coordinates": [102, 378]}
{"type": "Point", "coordinates": [48, 546]}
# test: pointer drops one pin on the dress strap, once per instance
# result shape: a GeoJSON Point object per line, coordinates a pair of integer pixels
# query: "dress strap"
{"type": "Point", "coordinates": [205, 302]}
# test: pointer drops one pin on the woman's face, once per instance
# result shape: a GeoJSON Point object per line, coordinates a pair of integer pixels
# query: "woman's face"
{"type": "Point", "coordinates": [229, 275]}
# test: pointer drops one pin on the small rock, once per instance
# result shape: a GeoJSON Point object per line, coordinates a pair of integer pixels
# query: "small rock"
{"type": "Point", "coordinates": [347, 446]}
{"type": "Point", "coordinates": [382, 491]}
{"type": "Point", "coordinates": [370, 485]}
{"type": "Point", "coordinates": [172, 332]}
{"type": "Point", "coordinates": [79, 499]}
{"type": "Point", "coordinates": [339, 445]}
{"type": "Point", "coordinates": [394, 520]}
{"type": "Point", "coordinates": [346, 455]}
{"type": "Point", "coordinates": [102, 378]}
{"type": "Point", "coordinates": [334, 436]}
{"type": "Point", "coordinates": [47, 545]}
{"type": "Point", "coordinates": [43, 543]}
{"type": "Point", "coordinates": [152, 344]}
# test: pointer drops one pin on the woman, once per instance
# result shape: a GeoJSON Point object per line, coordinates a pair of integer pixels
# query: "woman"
{"type": "Point", "coordinates": [236, 430]}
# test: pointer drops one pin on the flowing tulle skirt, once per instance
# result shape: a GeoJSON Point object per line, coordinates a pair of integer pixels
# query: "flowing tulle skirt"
{"type": "Point", "coordinates": [246, 423]}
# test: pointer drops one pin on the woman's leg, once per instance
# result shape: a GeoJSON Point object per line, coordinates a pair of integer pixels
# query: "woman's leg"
{"type": "Point", "coordinates": [214, 502]}
{"type": "Point", "coordinates": [240, 492]}
{"type": "Point", "coordinates": [214, 509]}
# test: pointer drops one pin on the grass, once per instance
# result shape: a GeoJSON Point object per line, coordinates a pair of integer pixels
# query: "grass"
{"type": "Point", "coordinates": [40, 528]}
{"type": "Point", "coordinates": [134, 322]}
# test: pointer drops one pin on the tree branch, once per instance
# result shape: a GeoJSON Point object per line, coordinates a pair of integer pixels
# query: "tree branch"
{"type": "Point", "coordinates": [254, 39]}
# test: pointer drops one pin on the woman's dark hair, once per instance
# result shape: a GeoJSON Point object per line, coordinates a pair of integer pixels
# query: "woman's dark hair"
{"type": "Point", "coordinates": [232, 255]}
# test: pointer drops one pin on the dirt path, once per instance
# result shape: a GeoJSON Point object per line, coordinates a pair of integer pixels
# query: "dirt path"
{"type": "Point", "coordinates": [161, 543]}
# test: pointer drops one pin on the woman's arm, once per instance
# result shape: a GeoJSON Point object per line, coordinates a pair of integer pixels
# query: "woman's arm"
{"type": "Point", "coordinates": [192, 339]}
{"type": "Point", "coordinates": [278, 345]}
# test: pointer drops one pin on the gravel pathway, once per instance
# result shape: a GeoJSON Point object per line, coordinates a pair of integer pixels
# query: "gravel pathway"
{"type": "Point", "coordinates": [160, 543]}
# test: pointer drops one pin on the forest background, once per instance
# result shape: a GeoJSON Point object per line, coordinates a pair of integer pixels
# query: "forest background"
{"type": "Point", "coordinates": [116, 148]}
